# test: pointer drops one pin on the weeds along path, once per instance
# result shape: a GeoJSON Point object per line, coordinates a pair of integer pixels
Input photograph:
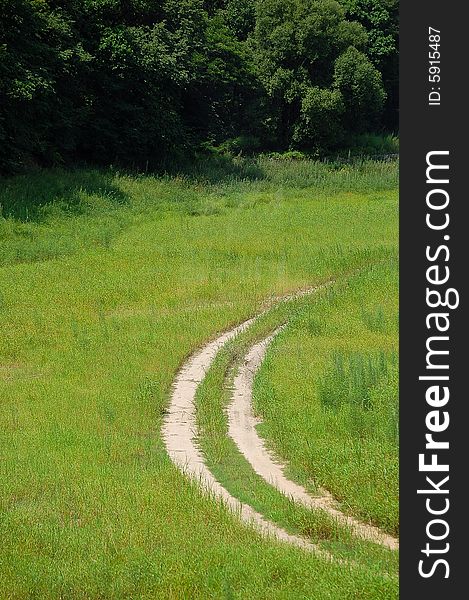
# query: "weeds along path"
{"type": "Point", "coordinates": [242, 429]}
{"type": "Point", "coordinates": [179, 434]}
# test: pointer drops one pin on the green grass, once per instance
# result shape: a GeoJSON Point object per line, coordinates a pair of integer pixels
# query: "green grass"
{"type": "Point", "coordinates": [328, 395]}
{"type": "Point", "coordinates": [108, 281]}
{"type": "Point", "coordinates": [351, 379]}
{"type": "Point", "coordinates": [235, 473]}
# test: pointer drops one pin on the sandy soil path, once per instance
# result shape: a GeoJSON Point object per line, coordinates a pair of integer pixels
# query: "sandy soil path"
{"type": "Point", "coordinates": [179, 435]}
{"type": "Point", "coordinates": [242, 429]}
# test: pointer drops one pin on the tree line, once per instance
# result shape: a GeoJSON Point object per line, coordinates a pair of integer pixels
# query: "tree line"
{"type": "Point", "coordinates": [135, 81]}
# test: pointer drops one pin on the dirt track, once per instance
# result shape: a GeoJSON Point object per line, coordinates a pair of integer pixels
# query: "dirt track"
{"type": "Point", "coordinates": [180, 433]}
{"type": "Point", "coordinates": [242, 429]}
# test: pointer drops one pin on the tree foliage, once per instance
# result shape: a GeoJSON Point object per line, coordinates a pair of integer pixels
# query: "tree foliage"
{"type": "Point", "coordinates": [137, 81]}
{"type": "Point", "coordinates": [306, 55]}
{"type": "Point", "coordinates": [381, 20]}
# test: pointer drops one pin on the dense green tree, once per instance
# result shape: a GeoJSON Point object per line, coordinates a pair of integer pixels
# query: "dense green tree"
{"type": "Point", "coordinates": [304, 51]}
{"type": "Point", "coordinates": [41, 65]}
{"type": "Point", "coordinates": [97, 79]}
{"type": "Point", "coordinates": [142, 67]}
{"type": "Point", "coordinates": [225, 94]}
{"type": "Point", "coordinates": [361, 88]}
{"type": "Point", "coordinates": [240, 16]}
{"type": "Point", "coordinates": [381, 21]}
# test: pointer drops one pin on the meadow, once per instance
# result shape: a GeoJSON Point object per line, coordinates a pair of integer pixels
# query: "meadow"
{"type": "Point", "coordinates": [108, 281]}
{"type": "Point", "coordinates": [328, 395]}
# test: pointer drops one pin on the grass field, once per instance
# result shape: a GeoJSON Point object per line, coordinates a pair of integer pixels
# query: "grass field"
{"type": "Point", "coordinates": [107, 282]}
{"type": "Point", "coordinates": [235, 473]}
{"type": "Point", "coordinates": [328, 395]}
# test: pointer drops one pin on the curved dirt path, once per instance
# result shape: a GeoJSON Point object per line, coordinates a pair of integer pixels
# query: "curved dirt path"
{"type": "Point", "coordinates": [242, 429]}
{"type": "Point", "coordinates": [180, 431]}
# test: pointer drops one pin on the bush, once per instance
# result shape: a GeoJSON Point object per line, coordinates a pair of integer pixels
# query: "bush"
{"type": "Point", "coordinates": [320, 122]}
{"type": "Point", "coordinates": [243, 144]}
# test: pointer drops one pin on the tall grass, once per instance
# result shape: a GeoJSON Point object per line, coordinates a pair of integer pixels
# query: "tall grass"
{"type": "Point", "coordinates": [352, 377]}
{"type": "Point", "coordinates": [57, 213]}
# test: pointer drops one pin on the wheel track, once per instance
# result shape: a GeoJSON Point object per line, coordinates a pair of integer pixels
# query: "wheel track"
{"type": "Point", "coordinates": [242, 425]}
{"type": "Point", "coordinates": [179, 434]}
